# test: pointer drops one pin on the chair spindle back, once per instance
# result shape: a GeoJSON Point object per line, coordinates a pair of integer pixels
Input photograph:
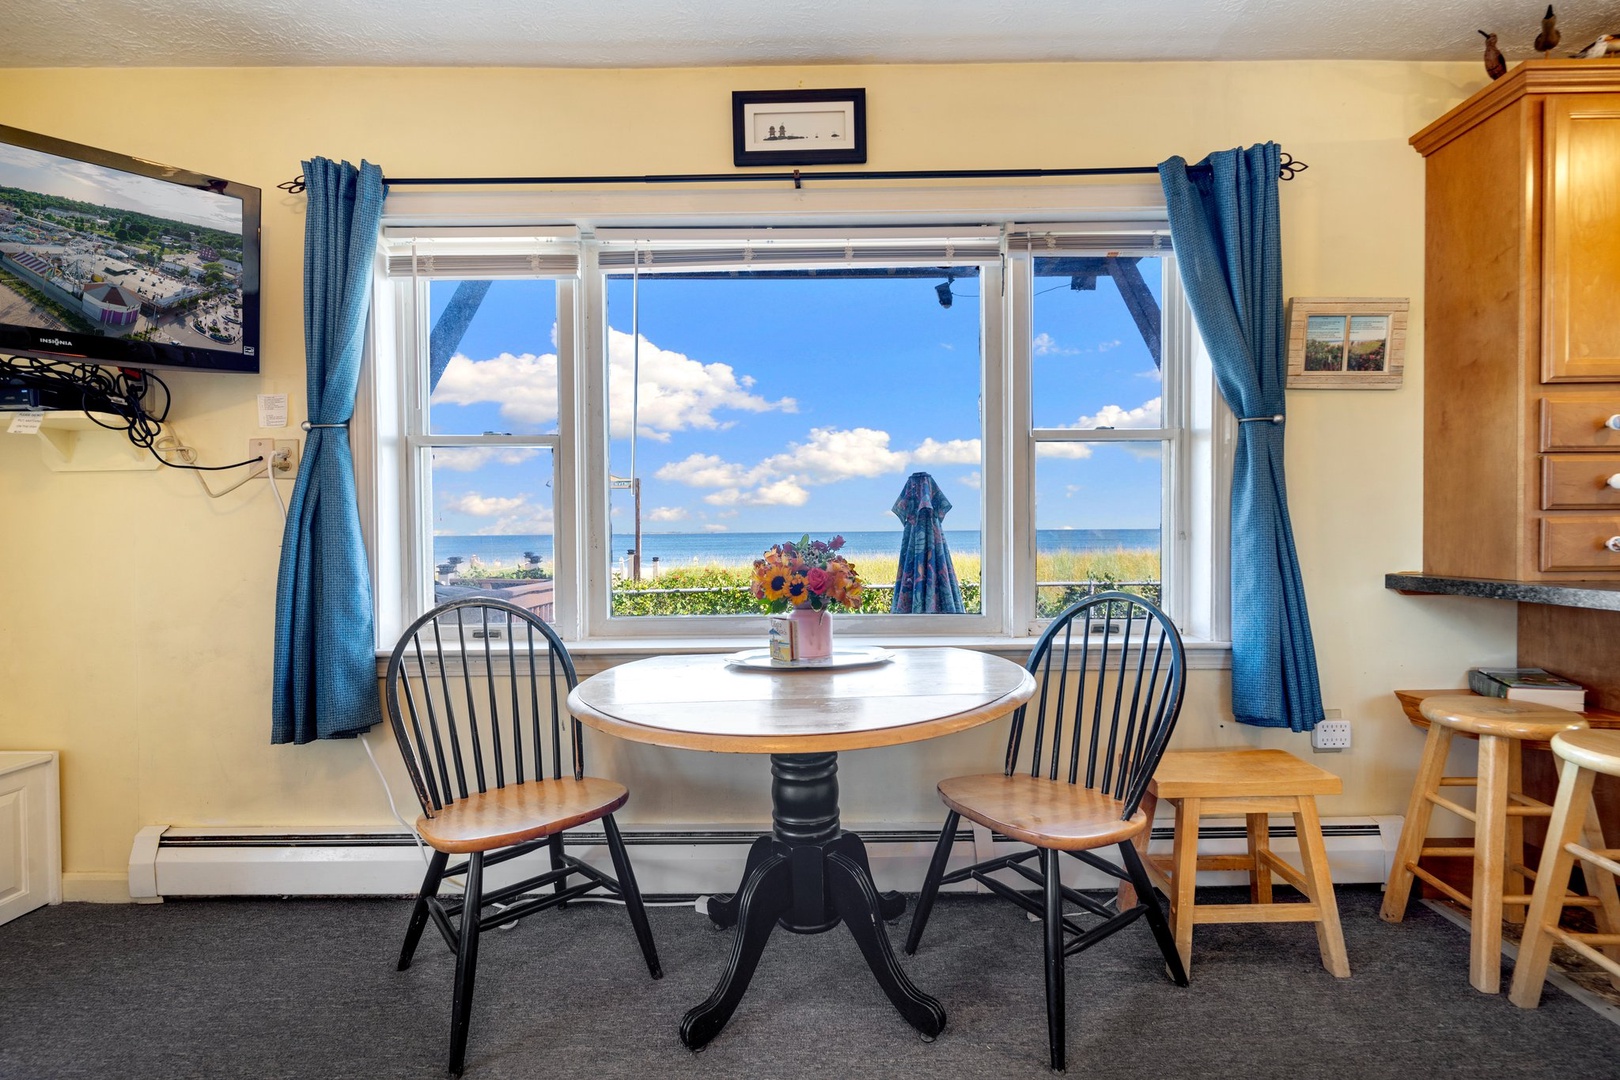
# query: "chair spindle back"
{"type": "Point", "coordinates": [1112, 672]}
{"type": "Point", "coordinates": [475, 701]}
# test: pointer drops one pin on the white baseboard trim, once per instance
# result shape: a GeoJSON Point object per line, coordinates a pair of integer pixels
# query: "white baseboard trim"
{"type": "Point", "coordinates": [670, 861]}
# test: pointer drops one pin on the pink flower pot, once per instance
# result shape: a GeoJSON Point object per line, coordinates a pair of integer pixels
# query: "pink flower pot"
{"type": "Point", "coordinates": [812, 631]}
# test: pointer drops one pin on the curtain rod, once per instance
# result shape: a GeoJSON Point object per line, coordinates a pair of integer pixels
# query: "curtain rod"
{"type": "Point", "coordinates": [1289, 168]}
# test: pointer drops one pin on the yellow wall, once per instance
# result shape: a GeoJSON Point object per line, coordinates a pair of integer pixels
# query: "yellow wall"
{"type": "Point", "coordinates": [136, 616]}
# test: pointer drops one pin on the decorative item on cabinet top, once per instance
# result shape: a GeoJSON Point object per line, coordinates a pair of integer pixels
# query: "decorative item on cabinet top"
{"type": "Point", "coordinates": [1346, 343]}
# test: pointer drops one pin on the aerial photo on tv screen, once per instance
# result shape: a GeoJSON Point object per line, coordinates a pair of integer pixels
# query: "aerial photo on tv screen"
{"type": "Point", "coordinates": [89, 249]}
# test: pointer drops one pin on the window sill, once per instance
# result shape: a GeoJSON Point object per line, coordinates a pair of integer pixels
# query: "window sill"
{"type": "Point", "coordinates": [600, 654]}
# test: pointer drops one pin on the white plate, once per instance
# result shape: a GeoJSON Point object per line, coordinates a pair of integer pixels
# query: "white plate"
{"type": "Point", "coordinates": [760, 660]}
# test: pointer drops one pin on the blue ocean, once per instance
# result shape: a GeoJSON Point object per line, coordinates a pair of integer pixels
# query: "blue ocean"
{"type": "Point", "coordinates": [685, 549]}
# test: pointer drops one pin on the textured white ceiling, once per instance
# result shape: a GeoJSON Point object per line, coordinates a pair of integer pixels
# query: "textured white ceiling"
{"type": "Point", "coordinates": [658, 33]}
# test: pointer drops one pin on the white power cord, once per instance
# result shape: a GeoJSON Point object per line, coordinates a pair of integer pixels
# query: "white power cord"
{"type": "Point", "coordinates": [171, 444]}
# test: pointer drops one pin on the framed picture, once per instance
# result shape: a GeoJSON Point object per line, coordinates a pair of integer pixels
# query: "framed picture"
{"type": "Point", "coordinates": [1346, 343]}
{"type": "Point", "coordinates": [798, 127]}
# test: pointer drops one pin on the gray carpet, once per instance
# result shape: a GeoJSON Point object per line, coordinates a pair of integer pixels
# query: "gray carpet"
{"type": "Point", "coordinates": [306, 989]}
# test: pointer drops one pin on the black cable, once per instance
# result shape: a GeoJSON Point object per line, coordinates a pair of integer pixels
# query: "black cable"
{"type": "Point", "coordinates": [122, 393]}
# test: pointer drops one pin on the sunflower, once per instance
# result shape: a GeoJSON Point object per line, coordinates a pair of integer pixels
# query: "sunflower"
{"type": "Point", "coordinates": [776, 586]}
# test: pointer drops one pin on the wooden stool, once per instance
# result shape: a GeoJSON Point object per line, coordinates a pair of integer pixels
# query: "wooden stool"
{"type": "Point", "coordinates": [1254, 783]}
{"type": "Point", "coordinates": [1584, 755]}
{"type": "Point", "coordinates": [1500, 807]}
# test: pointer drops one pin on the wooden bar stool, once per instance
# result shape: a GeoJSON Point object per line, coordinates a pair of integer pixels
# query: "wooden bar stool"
{"type": "Point", "coordinates": [1573, 833]}
{"type": "Point", "coordinates": [1500, 807]}
{"type": "Point", "coordinates": [1255, 784]}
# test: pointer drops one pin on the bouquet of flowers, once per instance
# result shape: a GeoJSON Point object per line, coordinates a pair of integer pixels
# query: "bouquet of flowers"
{"type": "Point", "coordinates": [807, 574]}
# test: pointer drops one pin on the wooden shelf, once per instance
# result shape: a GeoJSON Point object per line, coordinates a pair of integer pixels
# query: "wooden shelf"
{"type": "Point", "coordinates": [74, 442]}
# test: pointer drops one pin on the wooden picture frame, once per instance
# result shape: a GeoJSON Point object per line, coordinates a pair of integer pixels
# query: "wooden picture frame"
{"type": "Point", "coordinates": [1346, 343]}
{"type": "Point", "coordinates": [798, 127]}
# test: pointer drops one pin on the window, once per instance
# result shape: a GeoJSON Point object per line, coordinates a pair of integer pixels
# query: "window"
{"type": "Point", "coordinates": [609, 427]}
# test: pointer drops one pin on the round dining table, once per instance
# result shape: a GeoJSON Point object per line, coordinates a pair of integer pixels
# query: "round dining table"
{"type": "Point", "coordinates": [808, 875]}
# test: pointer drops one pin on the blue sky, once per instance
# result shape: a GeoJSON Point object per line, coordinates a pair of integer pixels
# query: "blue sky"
{"type": "Point", "coordinates": [796, 405]}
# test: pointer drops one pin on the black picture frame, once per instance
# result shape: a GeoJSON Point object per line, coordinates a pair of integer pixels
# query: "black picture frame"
{"type": "Point", "coordinates": [813, 121]}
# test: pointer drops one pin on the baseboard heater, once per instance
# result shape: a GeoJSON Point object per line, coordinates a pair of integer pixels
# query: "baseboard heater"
{"type": "Point", "coordinates": [682, 861]}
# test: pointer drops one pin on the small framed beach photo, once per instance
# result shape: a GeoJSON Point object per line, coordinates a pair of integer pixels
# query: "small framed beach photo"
{"type": "Point", "coordinates": [1346, 343]}
{"type": "Point", "coordinates": [798, 127]}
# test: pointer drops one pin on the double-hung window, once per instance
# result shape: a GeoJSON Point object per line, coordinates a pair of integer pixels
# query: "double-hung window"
{"type": "Point", "coordinates": [608, 425]}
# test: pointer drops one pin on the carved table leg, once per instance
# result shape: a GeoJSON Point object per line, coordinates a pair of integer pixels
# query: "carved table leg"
{"type": "Point", "coordinates": [764, 897]}
{"type": "Point", "coordinates": [860, 907]}
{"type": "Point", "coordinates": [723, 909]}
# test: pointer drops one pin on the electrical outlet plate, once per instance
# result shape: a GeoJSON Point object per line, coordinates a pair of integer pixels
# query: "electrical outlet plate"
{"type": "Point", "coordinates": [284, 459]}
{"type": "Point", "coordinates": [273, 450]}
{"type": "Point", "coordinates": [260, 448]}
{"type": "Point", "coordinates": [1330, 735]}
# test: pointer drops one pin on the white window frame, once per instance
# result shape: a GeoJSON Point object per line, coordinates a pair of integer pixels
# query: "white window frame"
{"type": "Point", "coordinates": [390, 434]}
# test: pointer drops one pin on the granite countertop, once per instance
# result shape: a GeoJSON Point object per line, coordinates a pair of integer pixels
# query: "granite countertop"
{"type": "Point", "coordinates": [1599, 595]}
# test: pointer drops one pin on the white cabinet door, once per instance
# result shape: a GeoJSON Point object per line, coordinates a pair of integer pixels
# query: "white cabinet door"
{"type": "Point", "coordinates": [30, 845]}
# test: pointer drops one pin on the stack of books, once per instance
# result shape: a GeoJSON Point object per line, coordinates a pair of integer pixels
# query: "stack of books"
{"type": "Point", "coordinates": [1532, 685]}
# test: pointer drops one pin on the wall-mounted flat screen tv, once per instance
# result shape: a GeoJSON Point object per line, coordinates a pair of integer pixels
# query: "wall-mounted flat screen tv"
{"type": "Point", "coordinates": [108, 259]}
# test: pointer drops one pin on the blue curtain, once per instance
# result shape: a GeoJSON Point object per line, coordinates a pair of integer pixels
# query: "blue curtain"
{"type": "Point", "coordinates": [325, 668]}
{"type": "Point", "coordinates": [1224, 225]}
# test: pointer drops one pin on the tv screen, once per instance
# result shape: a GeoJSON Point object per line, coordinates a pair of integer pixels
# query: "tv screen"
{"type": "Point", "coordinates": [108, 259]}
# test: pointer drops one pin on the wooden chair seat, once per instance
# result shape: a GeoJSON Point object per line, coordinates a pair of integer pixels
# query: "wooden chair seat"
{"type": "Point", "coordinates": [1046, 813]}
{"type": "Point", "coordinates": [1598, 751]}
{"type": "Point", "coordinates": [519, 813]}
{"type": "Point", "coordinates": [1478, 715]}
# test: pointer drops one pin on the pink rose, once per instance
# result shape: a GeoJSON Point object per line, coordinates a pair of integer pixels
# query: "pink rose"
{"type": "Point", "coordinates": [817, 580]}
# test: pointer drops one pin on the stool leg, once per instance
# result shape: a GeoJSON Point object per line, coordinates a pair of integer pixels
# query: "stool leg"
{"type": "Point", "coordinates": [1552, 879]}
{"type": "Point", "coordinates": [1513, 881]}
{"type": "Point", "coordinates": [1602, 885]}
{"type": "Point", "coordinates": [1259, 829]}
{"type": "Point", "coordinates": [1416, 827]}
{"type": "Point", "coordinates": [1186, 878]}
{"type": "Point", "coordinates": [1313, 853]}
{"type": "Point", "coordinates": [1490, 849]}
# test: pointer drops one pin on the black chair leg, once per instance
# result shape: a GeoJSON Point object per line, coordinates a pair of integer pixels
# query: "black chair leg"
{"type": "Point", "coordinates": [1056, 1020]}
{"type": "Point", "coordinates": [1148, 898]}
{"type": "Point", "coordinates": [419, 913]}
{"type": "Point", "coordinates": [632, 895]}
{"type": "Point", "coordinates": [466, 963]}
{"type": "Point", "coordinates": [930, 889]}
{"type": "Point", "coordinates": [556, 847]}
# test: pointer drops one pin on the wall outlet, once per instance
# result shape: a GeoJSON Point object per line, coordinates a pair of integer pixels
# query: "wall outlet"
{"type": "Point", "coordinates": [281, 454]}
{"type": "Point", "coordinates": [260, 448]}
{"type": "Point", "coordinates": [284, 459]}
{"type": "Point", "coordinates": [1330, 735]}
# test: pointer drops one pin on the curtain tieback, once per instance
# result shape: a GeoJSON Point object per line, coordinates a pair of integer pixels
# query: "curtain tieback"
{"type": "Point", "coordinates": [307, 426]}
{"type": "Point", "coordinates": [1253, 419]}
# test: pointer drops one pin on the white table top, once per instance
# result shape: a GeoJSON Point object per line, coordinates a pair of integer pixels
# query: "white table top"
{"type": "Point", "coordinates": [699, 702]}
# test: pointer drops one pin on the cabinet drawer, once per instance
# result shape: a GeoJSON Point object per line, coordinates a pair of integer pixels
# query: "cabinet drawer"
{"type": "Point", "coordinates": [1580, 423]}
{"type": "Point", "coordinates": [1580, 482]}
{"type": "Point", "coordinates": [1579, 542]}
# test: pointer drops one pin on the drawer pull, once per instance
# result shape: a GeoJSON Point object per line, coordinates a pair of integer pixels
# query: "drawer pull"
{"type": "Point", "coordinates": [1614, 481]}
{"type": "Point", "coordinates": [1613, 543]}
{"type": "Point", "coordinates": [1613, 422]}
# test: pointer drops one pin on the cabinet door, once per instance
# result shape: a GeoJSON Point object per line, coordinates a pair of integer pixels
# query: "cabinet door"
{"type": "Point", "coordinates": [1581, 237]}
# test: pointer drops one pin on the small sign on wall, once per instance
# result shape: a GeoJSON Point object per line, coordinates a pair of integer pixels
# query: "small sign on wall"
{"type": "Point", "coordinates": [1346, 343]}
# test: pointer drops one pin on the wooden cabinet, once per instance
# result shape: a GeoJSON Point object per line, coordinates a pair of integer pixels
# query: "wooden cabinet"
{"type": "Point", "coordinates": [1522, 327]}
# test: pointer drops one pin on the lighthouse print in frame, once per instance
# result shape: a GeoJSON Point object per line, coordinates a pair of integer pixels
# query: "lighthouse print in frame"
{"type": "Point", "coordinates": [798, 127]}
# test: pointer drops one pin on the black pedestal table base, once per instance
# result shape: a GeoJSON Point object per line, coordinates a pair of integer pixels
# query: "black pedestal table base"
{"type": "Point", "coordinates": [807, 877]}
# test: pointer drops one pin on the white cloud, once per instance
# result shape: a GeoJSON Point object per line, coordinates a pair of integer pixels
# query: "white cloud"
{"type": "Point", "coordinates": [1072, 451]}
{"type": "Point", "coordinates": [712, 528]}
{"type": "Point", "coordinates": [826, 456]}
{"type": "Point", "coordinates": [667, 513]}
{"type": "Point", "coordinates": [829, 454]}
{"type": "Point", "coordinates": [951, 452]}
{"type": "Point", "coordinates": [1146, 415]}
{"type": "Point", "coordinates": [525, 385]}
{"type": "Point", "coordinates": [1046, 345]}
{"type": "Point", "coordinates": [1104, 346]}
{"type": "Point", "coordinates": [473, 458]}
{"type": "Point", "coordinates": [677, 393]}
{"type": "Point", "coordinates": [706, 470]}
{"type": "Point", "coordinates": [481, 506]}
{"type": "Point", "coordinates": [971, 480]}
{"type": "Point", "coordinates": [727, 513]}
